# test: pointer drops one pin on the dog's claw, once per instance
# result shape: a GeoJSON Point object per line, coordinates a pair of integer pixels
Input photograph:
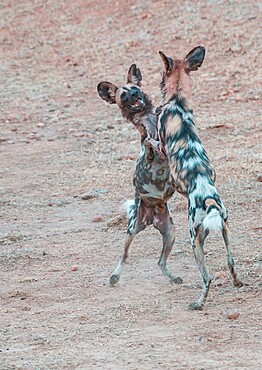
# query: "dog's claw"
{"type": "Point", "coordinates": [114, 279]}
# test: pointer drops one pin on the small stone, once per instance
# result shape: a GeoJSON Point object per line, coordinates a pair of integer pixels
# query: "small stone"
{"type": "Point", "coordinates": [34, 136]}
{"type": "Point", "coordinates": [97, 219]}
{"type": "Point", "coordinates": [117, 220]}
{"type": "Point", "coordinates": [88, 196]}
{"type": "Point", "coordinates": [259, 178]}
{"type": "Point", "coordinates": [74, 268]}
{"type": "Point", "coordinates": [233, 315]}
{"type": "Point", "coordinates": [78, 134]}
{"type": "Point", "coordinates": [220, 275]}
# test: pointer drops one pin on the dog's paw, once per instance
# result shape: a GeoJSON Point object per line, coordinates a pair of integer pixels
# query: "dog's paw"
{"type": "Point", "coordinates": [114, 279]}
{"type": "Point", "coordinates": [238, 283]}
{"type": "Point", "coordinates": [195, 307]}
{"type": "Point", "coordinates": [176, 280]}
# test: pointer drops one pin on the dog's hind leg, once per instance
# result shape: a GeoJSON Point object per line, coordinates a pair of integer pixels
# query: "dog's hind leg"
{"type": "Point", "coordinates": [137, 221]}
{"type": "Point", "coordinates": [116, 274]}
{"type": "Point", "coordinates": [198, 249]}
{"type": "Point", "coordinates": [164, 223]}
{"type": "Point", "coordinates": [230, 259]}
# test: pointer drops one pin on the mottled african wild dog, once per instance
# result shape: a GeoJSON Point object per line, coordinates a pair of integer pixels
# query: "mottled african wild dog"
{"type": "Point", "coordinates": [151, 177]}
{"type": "Point", "coordinates": [190, 168]}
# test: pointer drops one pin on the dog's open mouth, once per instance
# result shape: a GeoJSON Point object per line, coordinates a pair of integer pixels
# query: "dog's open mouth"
{"type": "Point", "coordinates": [137, 105]}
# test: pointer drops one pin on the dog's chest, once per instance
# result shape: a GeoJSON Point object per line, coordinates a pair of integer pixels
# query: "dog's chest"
{"type": "Point", "coordinates": [152, 177]}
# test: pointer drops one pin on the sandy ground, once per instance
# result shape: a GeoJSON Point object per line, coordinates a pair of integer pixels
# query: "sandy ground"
{"type": "Point", "coordinates": [59, 140]}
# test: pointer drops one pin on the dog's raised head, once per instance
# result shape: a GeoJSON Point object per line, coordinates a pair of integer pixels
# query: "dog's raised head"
{"type": "Point", "coordinates": [175, 79]}
{"type": "Point", "coordinates": [130, 98]}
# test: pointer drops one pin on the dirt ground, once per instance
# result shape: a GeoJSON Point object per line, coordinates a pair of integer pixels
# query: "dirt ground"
{"type": "Point", "coordinates": [59, 140]}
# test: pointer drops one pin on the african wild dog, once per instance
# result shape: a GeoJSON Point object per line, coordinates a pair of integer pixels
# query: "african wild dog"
{"type": "Point", "coordinates": [190, 168]}
{"type": "Point", "coordinates": [151, 177]}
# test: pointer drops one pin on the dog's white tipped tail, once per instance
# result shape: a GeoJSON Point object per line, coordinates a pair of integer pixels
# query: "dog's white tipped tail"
{"type": "Point", "coordinates": [213, 220]}
{"type": "Point", "coordinates": [128, 205]}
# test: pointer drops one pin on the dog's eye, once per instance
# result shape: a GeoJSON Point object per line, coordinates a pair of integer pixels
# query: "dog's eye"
{"type": "Point", "coordinates": [123, 97]}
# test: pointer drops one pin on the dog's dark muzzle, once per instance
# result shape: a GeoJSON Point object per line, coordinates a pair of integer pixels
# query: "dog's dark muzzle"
{"type": "Point", "coordinates": [137, 103]}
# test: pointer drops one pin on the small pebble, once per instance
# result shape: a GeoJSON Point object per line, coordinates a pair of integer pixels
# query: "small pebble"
{"type": "Point", "coordinates": [233, 315]}
{"type": "Point", "coordinates": [41, 124]}
{"type": "Point", "coordinates": [78, 134]}
{"type": "Point", "coordinates": [97, 219]}
{"type": "Point", "coordinates": [220, 275]}
{"type": "Point", "coordinates": [88, 196]}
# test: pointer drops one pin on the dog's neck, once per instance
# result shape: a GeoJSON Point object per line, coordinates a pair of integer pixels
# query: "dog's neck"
{"type": "Point", "coordinates": [176, 86]}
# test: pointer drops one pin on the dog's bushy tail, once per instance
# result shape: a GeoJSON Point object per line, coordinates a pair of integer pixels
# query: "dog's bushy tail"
{"type": "Point", "coordinates": [128, 206]}
{"type": "Point", "coordinates": [213, 219]}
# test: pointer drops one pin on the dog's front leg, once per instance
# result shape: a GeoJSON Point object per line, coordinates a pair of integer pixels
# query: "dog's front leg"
{"type": "Point", "coordinates": [149, 142]}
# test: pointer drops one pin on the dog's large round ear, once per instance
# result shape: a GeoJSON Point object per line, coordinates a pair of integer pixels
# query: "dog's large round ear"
{"type": "Point", "coordinates": [134, 75]}
{"type": "Point", "coordinates": [194, 59]}
{"type": "Point", "coordinates": [168, 62]}
{"type": "Point", "coordinates": [107, 91]}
